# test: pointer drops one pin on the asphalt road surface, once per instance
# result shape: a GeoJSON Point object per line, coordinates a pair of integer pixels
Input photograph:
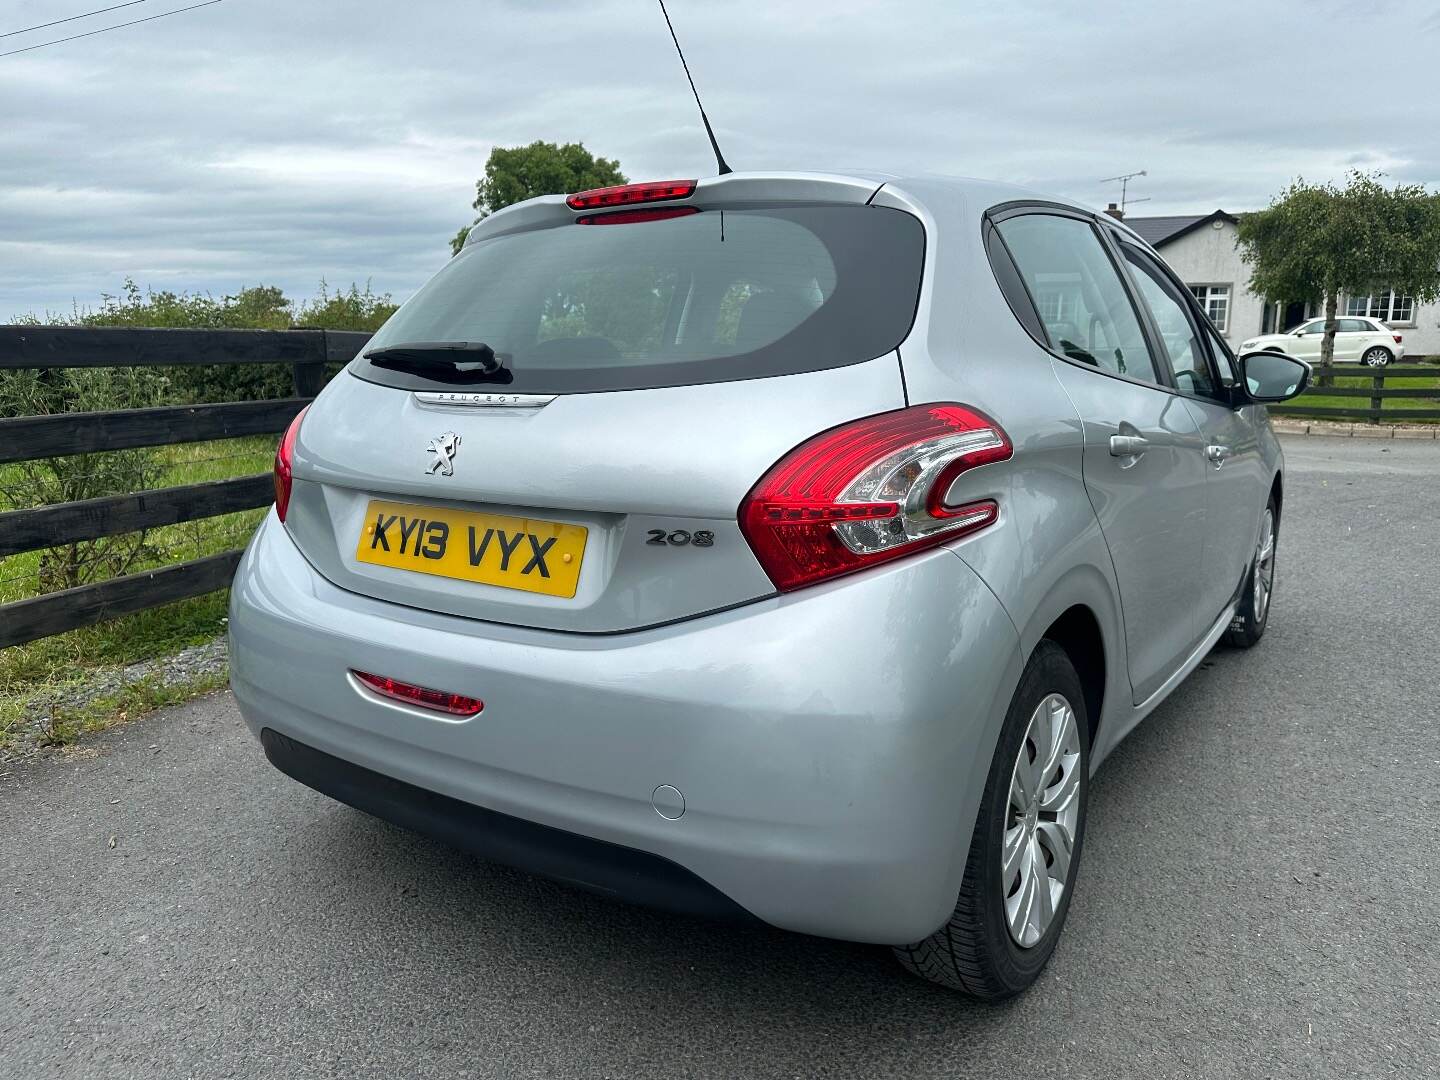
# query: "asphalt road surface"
{"type": "Point", "coordinates": [1260, 895]}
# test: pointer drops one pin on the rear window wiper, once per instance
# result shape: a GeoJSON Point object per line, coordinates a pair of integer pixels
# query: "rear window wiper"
{"type": "Point", "coordinates": [474, 358]}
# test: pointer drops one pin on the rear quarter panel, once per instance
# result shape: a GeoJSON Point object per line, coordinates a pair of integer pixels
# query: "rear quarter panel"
{"type": "Point", "coordinates": [1046, 553]}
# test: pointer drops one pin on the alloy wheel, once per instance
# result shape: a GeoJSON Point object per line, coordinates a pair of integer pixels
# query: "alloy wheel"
{"type": "Point", "coordinates": [1377, 357]}
{"type": "Point", "coordinates": [1042, 817]}
{"type": "Point", "coordinates": [1264, 565]}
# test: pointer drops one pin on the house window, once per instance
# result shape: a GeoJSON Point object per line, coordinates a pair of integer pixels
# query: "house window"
{"type": "Point", "coordinates": [1215, 302]}
{"type": "Point", "coordinates": [1389, 307]}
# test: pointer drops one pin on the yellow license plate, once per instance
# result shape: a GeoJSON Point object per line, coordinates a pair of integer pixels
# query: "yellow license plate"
{"type": "Point", "coordinates": [514, 553]}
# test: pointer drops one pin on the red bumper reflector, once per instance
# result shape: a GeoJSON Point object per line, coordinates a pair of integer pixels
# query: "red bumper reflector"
{"type": "Point", "coordinates": [439, 700]}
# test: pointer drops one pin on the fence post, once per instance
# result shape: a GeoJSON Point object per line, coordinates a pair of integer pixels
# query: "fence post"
{"type": "Point", "coordinates": [309, 378]}
{"type": "Point", "coordinates": [309, 374]}
{"type": "Point", "coordinates": [1377, 383]}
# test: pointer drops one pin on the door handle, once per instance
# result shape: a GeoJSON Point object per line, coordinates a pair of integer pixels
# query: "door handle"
{"type": "Point", "coordinates": [1128, 445]}
{"type": "Point", "coordinates": [1217, 454]}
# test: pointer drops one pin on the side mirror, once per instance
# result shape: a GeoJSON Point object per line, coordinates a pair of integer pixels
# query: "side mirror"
{"type": "Point", "coordinates": [1300, 332]}
{"type": "Point", "coordinates": [1273, 376]}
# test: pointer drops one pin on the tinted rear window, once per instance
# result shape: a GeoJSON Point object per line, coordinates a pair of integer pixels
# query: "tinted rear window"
{"type": "Point", "coordinates": [710, 297]}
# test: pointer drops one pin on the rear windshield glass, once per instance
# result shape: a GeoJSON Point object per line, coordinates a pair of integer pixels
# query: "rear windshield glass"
{"type": "Point", "coordinates": [709, 297]}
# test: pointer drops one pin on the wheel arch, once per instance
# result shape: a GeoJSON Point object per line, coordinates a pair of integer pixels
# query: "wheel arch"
{"type": "Point", "coordinates": [1081, 614]}
{"type": "Point", "coordinates": [1077, 631]}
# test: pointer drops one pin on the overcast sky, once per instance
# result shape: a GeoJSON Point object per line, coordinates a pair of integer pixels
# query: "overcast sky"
{"type": "Point", "coordinates": [285, 141]}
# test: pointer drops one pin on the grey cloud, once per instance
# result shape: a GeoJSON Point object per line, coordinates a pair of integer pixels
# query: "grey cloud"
{"type": "Point", "coordinates": [270, 141]}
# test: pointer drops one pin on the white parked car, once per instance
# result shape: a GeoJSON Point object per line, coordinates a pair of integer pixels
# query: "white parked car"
{"type": "Point", "coordinates": [1357, 340]}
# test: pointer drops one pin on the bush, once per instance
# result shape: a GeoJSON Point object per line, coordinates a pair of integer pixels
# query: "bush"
{"type": "Point", "coordinates": [63, 390]}
{"type": "Point", "coordinates": [80, 476]}
{"type": "Point", "coordinates": [260, 307]}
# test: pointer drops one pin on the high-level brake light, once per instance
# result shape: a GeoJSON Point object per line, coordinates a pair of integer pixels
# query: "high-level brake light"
{"type": "Point", "coordinates": [652, 213]}
{"type": "Point", "coordinates": [630, 194]}
{"type": "Point", "coordinates": [870, 491]}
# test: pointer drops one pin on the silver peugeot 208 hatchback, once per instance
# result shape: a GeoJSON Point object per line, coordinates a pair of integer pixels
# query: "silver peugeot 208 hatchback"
{"type": "Point", "coordinates": [788, 547]}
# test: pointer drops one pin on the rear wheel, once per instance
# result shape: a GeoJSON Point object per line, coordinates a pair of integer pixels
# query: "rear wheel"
{"type": "Point", "coordinates": [1249, 623]}
{"type": "Point", "coordinates": [1025, 849]}
{"type": "Point", "coordinates": [1377, 356]}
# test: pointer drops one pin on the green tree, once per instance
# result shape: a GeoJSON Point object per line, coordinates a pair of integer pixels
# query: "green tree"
{"type": "Point", "coordinates": [516, 173]}
{"type": "Point", "coordinates": [1319, 240]}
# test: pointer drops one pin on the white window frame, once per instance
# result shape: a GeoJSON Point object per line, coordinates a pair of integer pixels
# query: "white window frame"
{"type": "Point", "coordinates": [1214, 291]}
{"type": "Point", "coordinates": [1382, 306]}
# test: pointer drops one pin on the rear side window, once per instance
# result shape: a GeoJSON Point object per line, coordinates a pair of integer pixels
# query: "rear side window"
{"type": "Point", "coordinates": [1082, 303]}
{"type": "Point", "coordinates": [708, 297]}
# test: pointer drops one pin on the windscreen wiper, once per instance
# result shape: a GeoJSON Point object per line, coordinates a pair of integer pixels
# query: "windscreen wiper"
{"type": "Point", "coordinates": [474, 358]}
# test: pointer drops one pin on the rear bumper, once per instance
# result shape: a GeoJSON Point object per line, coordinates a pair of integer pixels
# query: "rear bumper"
{"type": "Point", "coordinates": [830, 745]}
{"type": "Point", "coordinates": [623, 873]}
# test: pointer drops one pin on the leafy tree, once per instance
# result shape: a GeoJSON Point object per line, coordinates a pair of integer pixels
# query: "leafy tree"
{"type": "Point", "coordinates": [516, 173]}
{"type": "Point", "coordinates": [1322, 240]}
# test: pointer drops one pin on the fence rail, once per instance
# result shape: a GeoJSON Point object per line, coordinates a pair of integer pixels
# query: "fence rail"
{"type": "Point", "coordinates": [29, 438]}
{"type": "Point", "coordinates": [1376, 394]}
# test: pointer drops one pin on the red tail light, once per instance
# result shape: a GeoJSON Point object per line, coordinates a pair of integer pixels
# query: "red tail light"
{"type": "Point", "coordinates": [1397, 338]}
{"type": "Point", "coordinates": [284, 464]}
{"type": "Point", "coordinates": [870, 491]}
{"type": "Point", "coordinates": [439, 700]}
{"type": "Point", "coordinates": [628, 194]}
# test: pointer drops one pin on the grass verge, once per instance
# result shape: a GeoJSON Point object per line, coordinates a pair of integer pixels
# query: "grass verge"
{"type": "Point", "coordinates": [1317, 398]}
{"type": "Point", "coordinates": [63, 725]}
{"type": "Point", "coordinates": [43, 677]}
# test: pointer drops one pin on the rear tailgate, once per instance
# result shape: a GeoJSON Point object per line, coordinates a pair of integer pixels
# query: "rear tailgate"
{"type": "Point", "coordinates": [653, 365]}
{"type": "Point", "coordinates": [654, 477]}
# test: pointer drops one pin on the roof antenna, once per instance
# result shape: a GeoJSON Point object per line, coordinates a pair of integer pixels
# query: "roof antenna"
{"type": "Point", "coordinates": [719, 158]}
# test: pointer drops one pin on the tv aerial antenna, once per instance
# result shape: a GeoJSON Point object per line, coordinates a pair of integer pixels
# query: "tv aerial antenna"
{"type": "Point", "coordinates": [1124, 182]}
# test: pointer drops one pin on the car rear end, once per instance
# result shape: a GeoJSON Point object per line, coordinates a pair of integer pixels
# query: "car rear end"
{"type": "Point", "coordinates": [1390, 339]}
{"type": "Point", "coordinates": [620, 560]}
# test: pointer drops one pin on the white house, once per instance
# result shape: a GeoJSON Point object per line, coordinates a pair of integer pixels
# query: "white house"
{"type": "Point", "coordinates": [1201, 249]}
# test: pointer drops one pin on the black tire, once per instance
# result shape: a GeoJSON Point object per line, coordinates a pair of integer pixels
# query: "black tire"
{"type": "Point", "coordinates": [974, 951]}
{"type": "Point", "coordinates": [1384, 354]}
{"type": "Point", "coordinates": [1249, 624]}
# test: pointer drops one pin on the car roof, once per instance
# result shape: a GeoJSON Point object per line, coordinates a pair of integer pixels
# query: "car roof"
{"type": "Point", "coordinates": [939, 194]}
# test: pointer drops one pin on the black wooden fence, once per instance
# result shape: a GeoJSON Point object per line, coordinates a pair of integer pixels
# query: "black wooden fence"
{"type": "Point", "coordinates": [27, 438]}
{"type": "Point", "coordinates": [1372, 410]}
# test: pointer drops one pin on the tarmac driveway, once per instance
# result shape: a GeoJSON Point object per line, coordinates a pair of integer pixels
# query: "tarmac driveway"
{"type": "Point", "coordinates": [1260, 895]}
